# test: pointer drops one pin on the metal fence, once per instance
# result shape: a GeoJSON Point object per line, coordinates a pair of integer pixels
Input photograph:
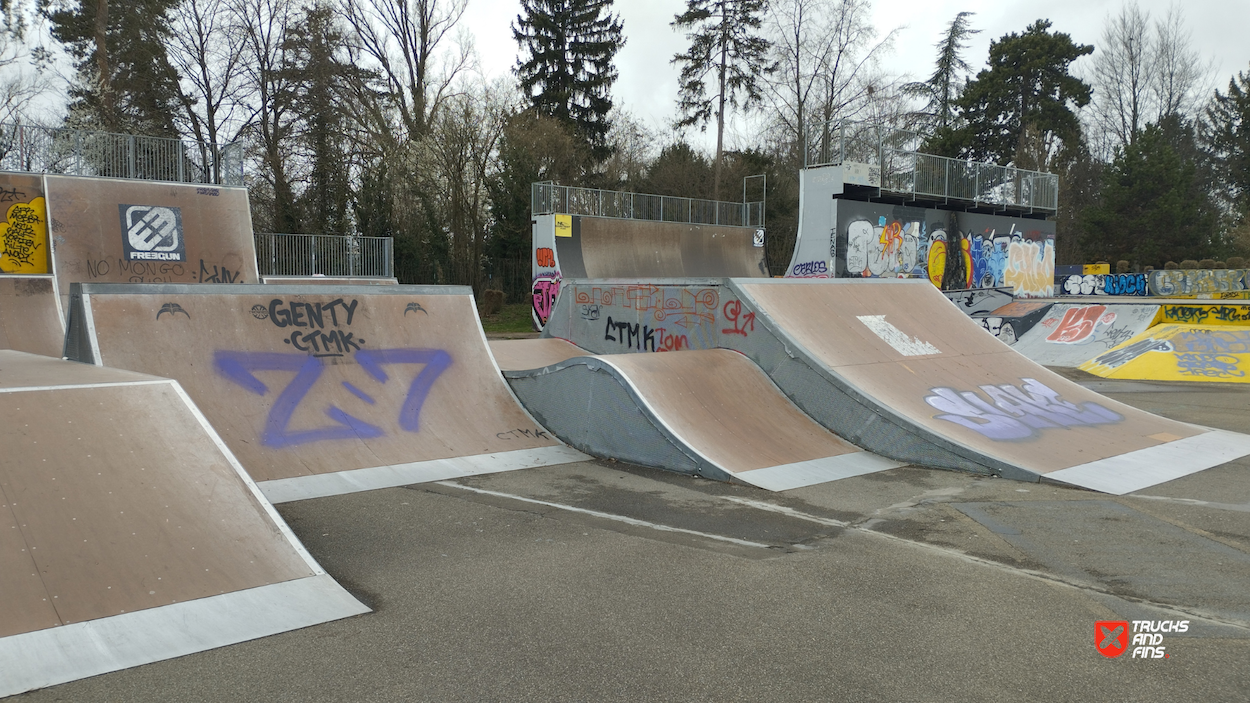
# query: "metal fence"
{"type": "Point", "coordinates": [903, 169]}
{"type": "Point", "coordinates": [77, 152]}
{"type": "Point", "coordinates": [324, 254]}
{"type": "Point", "coordinates": [547, 198]}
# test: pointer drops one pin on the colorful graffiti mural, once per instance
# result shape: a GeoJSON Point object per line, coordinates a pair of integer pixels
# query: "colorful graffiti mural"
{"type": "Point", "coordinates": [873, 240]}
{"type": "Point", "coordinates": [1182, 282]}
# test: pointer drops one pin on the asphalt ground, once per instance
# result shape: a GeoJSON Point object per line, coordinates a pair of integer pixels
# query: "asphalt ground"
{"type": "Point", "coordinates": [600, 581]}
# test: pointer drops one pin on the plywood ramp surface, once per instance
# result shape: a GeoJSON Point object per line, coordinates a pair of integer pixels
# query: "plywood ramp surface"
{"type": "Point", "coordinates": [115, 498]}
{"type": "Point", "coordinates": [727, 409]}
{"type": "Point", "coordinates": [521, 354]}
{"type": "Point", "coordinates": [713, 413]}
{"type": "Point", "coordinates": [30, 315]}
{"type": "Point", "coordinates": [305, 381]}
{"type": "Point", "coordinates": [616, 248]}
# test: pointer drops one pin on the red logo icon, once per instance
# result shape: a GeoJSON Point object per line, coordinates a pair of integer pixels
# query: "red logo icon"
{"type": "Point", "coordinates": [1111, 637]}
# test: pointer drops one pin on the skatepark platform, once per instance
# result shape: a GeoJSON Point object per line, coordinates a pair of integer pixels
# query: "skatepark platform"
{"type": "Point", "coordinates": [321, 390]}
{"type": "Point", "coordinates": [129, 533]}
{"type": "Point", "coordinates": [710, 413]}
{"type": "Point", "coordinates": [895, 368]}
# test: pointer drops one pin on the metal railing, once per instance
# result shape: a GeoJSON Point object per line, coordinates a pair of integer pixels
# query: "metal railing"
{"type": "Point", "coordinates": [904, 169]}
{"type": "Point", "coordinates": [78, 152]}
{"type": "Point", "coordinates": [324, 254]}
{"type": "Point", "coordinates": [547, 198]}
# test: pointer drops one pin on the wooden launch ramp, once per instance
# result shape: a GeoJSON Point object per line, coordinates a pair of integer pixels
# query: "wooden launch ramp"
{"type": "Point", "coordinates": [894, 367]}
{"type": "Point", "coordinates": [322, 390]}
{"type": "Point", "coordinates": [129, 533]}
{"type": "Point", "coordinates": [712, 413]}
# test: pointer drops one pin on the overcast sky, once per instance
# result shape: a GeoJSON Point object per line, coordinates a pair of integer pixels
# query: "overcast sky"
{"type": "Point", "coordinates": [647, 86]}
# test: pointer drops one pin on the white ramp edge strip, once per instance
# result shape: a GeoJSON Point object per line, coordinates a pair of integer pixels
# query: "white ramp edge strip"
{"type": "Point", "coordinates": [60, 654]}
{"type": "Point", "coordinates": [814, 471]}
{"type": "Point", "coordinates": [285, 490]}
{"type": "Point", "coordinates": [1147, 467]}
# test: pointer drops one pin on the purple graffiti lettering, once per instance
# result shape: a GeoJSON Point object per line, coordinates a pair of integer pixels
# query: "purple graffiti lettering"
{"type": "Point", "coordinates": [436, 362]}
{"type": "Point", "coordinates": [1017, 412]}
{"type": "Point", "coordinates": [239, 367]}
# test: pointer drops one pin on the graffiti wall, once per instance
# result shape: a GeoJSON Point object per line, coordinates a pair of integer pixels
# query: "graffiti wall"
{"type": "Point", "coordinates": [1228, 284]}
{"type": "Point", "coordinates": [874, 240]}
{"type": "Point", "coordinates": [1238, 315]}
{"type": "Point", "coordinates": [24, 230]}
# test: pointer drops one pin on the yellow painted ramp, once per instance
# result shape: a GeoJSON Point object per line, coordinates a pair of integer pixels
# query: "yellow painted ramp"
{"type": "Point", "coordinates": [1207, 353]}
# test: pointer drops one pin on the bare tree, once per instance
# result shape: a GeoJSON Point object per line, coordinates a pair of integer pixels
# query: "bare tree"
{"type": "Point", "coordinates": [208, 49]}
{"type": "Point", "coordinates": [1121, 74]}
{"type": "Point", "coordinates": [827, 62]}
{"type": "Point", "coordinates": [1180, 78]}
{"type": "Point", "coordinates": [1143, 73]}
{"type": "Point", "coordinates": [401, 39]}
{"type": "Point", "coordinates": [272, 96]}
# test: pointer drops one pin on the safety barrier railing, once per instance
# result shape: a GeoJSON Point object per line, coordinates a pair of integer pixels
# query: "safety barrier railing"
{"type": "Point", "coordinates": [548, 198]}
{"type": "Point", "coordinates": [78, 152]}
{"type": "Point", "coordinates": [324, 254]}
{"type": "Point", "coordinates": [905, 170]}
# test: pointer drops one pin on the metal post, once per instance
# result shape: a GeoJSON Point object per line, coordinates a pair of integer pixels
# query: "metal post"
{"type": "Point", "coordinates": [130, 143]}
{"type": "Point", "coordinates": [180, 174]}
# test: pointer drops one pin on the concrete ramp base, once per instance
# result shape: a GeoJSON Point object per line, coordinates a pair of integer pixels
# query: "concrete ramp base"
{"type": "Point", "coordinates": [48, 657]}
{"type": "Point", "coordinates": [128, 531]}
{"type": "Point", "coordinates": [708, 413]}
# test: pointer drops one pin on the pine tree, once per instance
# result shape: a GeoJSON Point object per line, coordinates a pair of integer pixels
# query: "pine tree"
{"type": "Point", "coordinates": [566, 67]}
{"type": "Point", "coordinates": [1226, 139]}
{"type": "Point", "coordinates": [1027, 93]}
{"type": "Point", "coordinates": [725, 42]}
{"type": "Point", "coordinates": [944, 86]}
{"type": "Point", "coordinates": [125, 80]}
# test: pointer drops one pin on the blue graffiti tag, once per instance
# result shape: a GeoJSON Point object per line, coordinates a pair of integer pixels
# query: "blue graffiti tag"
{"type": "Point", "coordinates": [1017, 412]}
{"type": "Point", "coordinates": [239, 367]}
{"type": "Point", "coordinates": [1209, 365]}
{"type": "Point", "coordinates": [810, 269]}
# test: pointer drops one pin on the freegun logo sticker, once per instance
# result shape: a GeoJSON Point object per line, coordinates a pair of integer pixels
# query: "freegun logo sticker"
{"type": "Point", "coordinates": [152, 233]}
{"type": "Point", "coordinates": [1144, 637]}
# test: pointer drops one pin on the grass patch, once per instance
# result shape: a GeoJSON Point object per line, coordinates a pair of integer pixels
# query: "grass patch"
{"type": "Point", "coordinates": [513, 318]}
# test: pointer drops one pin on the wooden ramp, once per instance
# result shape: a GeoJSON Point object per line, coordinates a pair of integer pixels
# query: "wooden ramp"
{"type": "Point", "coordinates": [129, 533]}
{"type": "Point", "coordinates": [322, 390]}
{"type": "Point", "coordinates": [711, 413]}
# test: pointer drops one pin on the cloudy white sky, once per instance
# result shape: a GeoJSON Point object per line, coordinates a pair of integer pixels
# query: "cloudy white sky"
{"type": "Point", "coordinates": [647, 86]}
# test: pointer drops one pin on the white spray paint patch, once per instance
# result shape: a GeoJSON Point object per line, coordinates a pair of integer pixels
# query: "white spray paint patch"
{"type": "Point", "coordinates": [893, 336]}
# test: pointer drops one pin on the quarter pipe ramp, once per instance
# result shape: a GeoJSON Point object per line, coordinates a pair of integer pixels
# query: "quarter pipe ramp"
{"type": "Point", "coordinates": [321, 390]}
{"type": "Point", "coordinates": [712, 413]}
{"type": "Point", "coordinates": [129, 533]}
{"type": "Point", "coordinates": [896, 369]}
